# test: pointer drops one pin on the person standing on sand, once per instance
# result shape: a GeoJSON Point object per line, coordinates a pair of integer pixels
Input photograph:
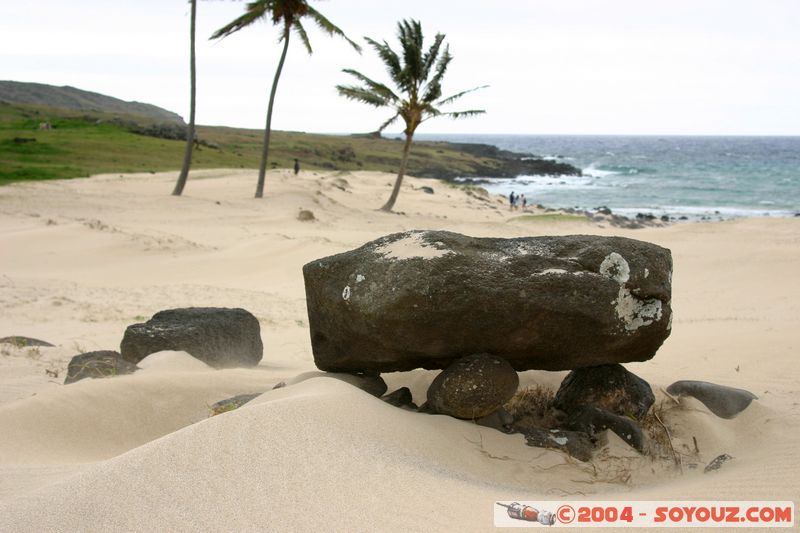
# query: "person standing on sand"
{"type": "Point", "coordinates": [512, 199]}
{"type": "Point", "coordinates": [524, 202]}
{"type": "Point", "coordinates": [296, 167]}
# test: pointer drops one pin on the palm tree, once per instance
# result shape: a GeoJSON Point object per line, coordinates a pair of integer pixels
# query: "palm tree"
{"type": "Point", "coordinates": [288, 14]}
{"type": "Point", "coordinates": [421, 98]}
{"type": "Point", "coordinates": [187, 155]}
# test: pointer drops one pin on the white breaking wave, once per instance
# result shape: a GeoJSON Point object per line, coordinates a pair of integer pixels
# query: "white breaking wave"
{"type": "Point", "coordinates": [594, 172]}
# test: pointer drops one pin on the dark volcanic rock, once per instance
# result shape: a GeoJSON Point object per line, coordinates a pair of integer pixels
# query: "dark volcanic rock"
{"type": "Point", "coordinates": [609, 387]}
{"type": "Point", "coordinates": [501, 420]}
{"type": "Point", "coordinates": [575, 443]}
{"type": "Point", "coordinates": [725, 402]}
{"type": "Point", "coordinates": [374, 385]}
{"type": "Point", "coordinates": [473, 387]}
{"type": "Point", "coordinates": [427, 298]}
{"type": "Point", "coordinates": [400, 398]}
{"type": "Point", "coordinates": [591, 420]}
{"type": "Point", "coordinates": [219, 337]}
{"type": "Point", "coordinates": [100, 364]}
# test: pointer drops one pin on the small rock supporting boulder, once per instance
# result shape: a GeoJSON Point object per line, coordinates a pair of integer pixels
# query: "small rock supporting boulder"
{"type": "Point", "coordinates": [220, 337]}
{"type": "Point", "coordinates": [422, 299]}
{"type": "Point", "coordinates": [473, 387]}
{"type": "Point", "coordinates": [609, 387]}
{"type": "Point", "coordinates": [99, 364]}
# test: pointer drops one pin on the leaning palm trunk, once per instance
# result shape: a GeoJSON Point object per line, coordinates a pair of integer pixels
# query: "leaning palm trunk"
{"type": "Point", "coordinates": [399, 181]}
{"type": "Point", "coordinates": [187, 155]}
{"type": "Point", "coordinates": [262, 169]}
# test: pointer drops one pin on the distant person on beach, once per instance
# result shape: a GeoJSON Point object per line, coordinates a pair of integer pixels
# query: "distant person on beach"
{"type": "Point", "coordinates": [296, 167]}
{"type": "Point", "coordinates": [524, 202]}
{"type": "Point", "coordinates": [512, 200]}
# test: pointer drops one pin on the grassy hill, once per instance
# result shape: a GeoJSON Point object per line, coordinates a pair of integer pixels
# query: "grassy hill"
{"type": "Point", "coordinates": [40, 94]}
{"type": "Point", "coordinates": [85, 143]}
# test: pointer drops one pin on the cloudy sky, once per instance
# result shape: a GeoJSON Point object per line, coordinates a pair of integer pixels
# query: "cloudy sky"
{"type": "Point", "coordinates": [553, 66]}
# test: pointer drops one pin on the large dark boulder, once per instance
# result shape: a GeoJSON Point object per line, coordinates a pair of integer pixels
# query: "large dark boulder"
{"type": "Point", "coordinates": [99, 364]}
{"type": "Point", "coordinates": [609, 387]}
{"type": "Point", "coordinates": [473, 387]}
{"type": "Point", "coordinates": [426, 298]}
{"type": "Point", "coordinates": [220, 337]}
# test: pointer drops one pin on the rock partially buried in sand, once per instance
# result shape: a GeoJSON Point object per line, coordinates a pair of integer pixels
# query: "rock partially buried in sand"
{"type": "Point", "coordinates": [220, 337]}
{"type": "Point", "coordinates": [591, 420]}
{"type": "Point", "coordinates": [725, 402]}
{"type": "Point", "coordinates": [22, 342]}
{"type": "Point", "coordinates": [575, 443]}
{"type": "Point", "coordinates": [473, 387]}
{"type": "Point", "coordinates": [230, 404]}
{"type": "Point", "coordinates": [609, 387]}
{"type": "Point", "coordinates": [425, 298]}
{"type": "Point", "coordinates": [99, 364]}
{"type": "Point", "coordinates": [716, 463]}
{"type": "Point", "coordinates": [400, 398]}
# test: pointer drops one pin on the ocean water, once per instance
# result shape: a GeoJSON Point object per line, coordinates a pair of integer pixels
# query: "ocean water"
{"type": "Point", "coordinates": [696, 177]}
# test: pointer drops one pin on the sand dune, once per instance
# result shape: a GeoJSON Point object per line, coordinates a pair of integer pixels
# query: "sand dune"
{"type": "Point", "coordinates": [82, 259]}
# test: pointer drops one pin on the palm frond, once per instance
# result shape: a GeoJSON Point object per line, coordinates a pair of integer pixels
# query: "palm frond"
{"type": "Point", "coordinates": [388, 122]}
{"type": "Point", "coordinates": [411, 39]}
{"type": "Point", "coordinates": [390, 59]}
{"type": "Point", "coordinates": [453, 98]}
{"type": "Point", "coordinates": [301, 32]}
{"type": "Point", "coordinates": [435, 84]}
{"type": "Point", "coordinates": [462, 114]}
{"type": "Point", "coordinates": [360, 94]}
{"type": "Point", "coordinates": [330, 27]}
{"type": "Point", "coordinates": [372, 85]}
{"type": "Point", "coordinates": [253, 12]}
{"type": "Point", "coordinates": [430, 57]}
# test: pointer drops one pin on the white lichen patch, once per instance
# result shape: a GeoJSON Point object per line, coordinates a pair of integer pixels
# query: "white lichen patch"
{"type": "Point", "coordinates": [410, 247]}
{"type": "Point", "coordinates": [359, 278]}
{"type": "Point", "coordinates": [615, 267]}
{"type": "Point", "coordinates": [635, 313]}
{"type": "Point", "coordinates": [346, 293]}
{"type": "Point", "coordinates": [558, 440]}
{"type": "Point", "coordinates": [554, 271]}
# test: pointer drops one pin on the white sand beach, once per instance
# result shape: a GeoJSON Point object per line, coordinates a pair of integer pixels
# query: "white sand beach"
{"type": "Point", "coordinates": [82, 259]}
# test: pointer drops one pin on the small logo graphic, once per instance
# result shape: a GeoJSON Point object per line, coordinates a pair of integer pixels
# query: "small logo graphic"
{"type": "Point", "coordinates": [527, 513]}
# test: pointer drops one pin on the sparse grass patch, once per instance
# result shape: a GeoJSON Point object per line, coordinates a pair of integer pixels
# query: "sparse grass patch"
{"type": "Point", "coordinates": [536, 399]}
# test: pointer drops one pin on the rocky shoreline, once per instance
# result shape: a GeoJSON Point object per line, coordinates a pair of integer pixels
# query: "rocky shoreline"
{"type": "Point", "coordinates": [496, 163]}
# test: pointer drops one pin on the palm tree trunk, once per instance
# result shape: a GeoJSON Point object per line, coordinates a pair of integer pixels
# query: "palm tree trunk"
{"type": "Point", "coordinates": [262, 169]}
{"type": "Point", "coordinates": [399, 181]}
{"type": "Point", "coordinates": [187, 155]}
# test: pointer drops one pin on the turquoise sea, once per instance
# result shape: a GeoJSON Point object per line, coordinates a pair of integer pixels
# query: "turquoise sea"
{"type": "Point", "coordinates": [695, 177]}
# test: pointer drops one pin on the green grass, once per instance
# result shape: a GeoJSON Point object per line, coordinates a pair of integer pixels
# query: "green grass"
{"type": "Point", "coordinates": [82, 145]}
